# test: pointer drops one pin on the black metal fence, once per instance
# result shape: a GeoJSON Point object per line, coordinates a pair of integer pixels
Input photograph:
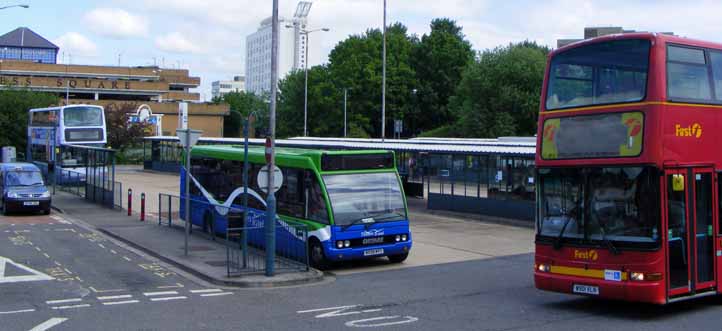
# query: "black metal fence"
{"type": "Point", "coordinates": [244, 240]}
{"type": "Point", "coordinates": [88, 172]}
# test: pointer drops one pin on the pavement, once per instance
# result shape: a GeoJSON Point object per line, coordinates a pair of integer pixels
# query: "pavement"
{"type": "Point", "coordinates": [206, 258]}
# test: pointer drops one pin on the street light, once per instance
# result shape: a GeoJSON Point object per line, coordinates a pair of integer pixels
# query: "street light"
{"type": "Point", "coordinates": [22, 6]}
{"type": "Point", "coordinates": [305, 69]}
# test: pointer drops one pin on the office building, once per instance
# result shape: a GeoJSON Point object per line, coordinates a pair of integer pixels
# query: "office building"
{"type": "Point", "coordinates": [220, 88]}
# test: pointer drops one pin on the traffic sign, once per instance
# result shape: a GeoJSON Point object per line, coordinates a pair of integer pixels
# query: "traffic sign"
{"type": "Point", "coordinates": [262, 179]}
{"type": "Point", "coordinates": [269, 150]}
{"type": "Point", "coordinates": [195, 135]}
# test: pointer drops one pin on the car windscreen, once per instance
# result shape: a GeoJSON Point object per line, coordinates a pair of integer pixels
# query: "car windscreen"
{"type": "Point", "coordinates": [23, 178]}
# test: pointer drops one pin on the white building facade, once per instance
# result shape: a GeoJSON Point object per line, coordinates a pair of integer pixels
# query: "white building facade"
{"type": "Point", "coordinates": [220, 88]}
{"type": "Point", "coordinates": [291, 50]}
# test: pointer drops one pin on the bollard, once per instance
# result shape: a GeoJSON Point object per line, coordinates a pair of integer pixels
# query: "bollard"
{"type": "Point", "coordinates": [142, 207]}
{"type": "Point", "coordinates": [130, 201]}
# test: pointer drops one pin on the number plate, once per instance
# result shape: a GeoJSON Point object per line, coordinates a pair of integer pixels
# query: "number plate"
{"type": "Point", "coordinates": [31, 203]}
{"type": "Point", "coordinates": [374, 252]}
{"type": "Point", "coordinates": [585, 289]}
{"type": "Point", "coordinates": [375, 240]}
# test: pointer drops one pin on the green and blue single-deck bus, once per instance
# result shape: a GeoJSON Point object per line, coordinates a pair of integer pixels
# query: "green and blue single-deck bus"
{"type": "Point", "coordinates": [352, 202]}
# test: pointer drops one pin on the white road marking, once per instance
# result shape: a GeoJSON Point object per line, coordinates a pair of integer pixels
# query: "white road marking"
{"type": "Point", "coordinates": [177, 285]}
{"type": "Point", "coordinates": [52, 302]}
{"type": "Point", "coordinates": [168, 298]}
{"type": "Point", "coordinates": [126, 258]}
{"type": "Point", "coordinates": [337, 311]}
{"type": "Point", "coordinates": [113, 297]}
{"type": "Point", "coordinates": [211, 290]}
{"type": "Point", "coordinates": [114, 252]}
{"type": "Point", "coordinates": [46, 255]}
{"type": "Point", "coordinates": [71, 307]}
{"type": "Point", "coordinates": [120, 302]}
{"type": "Point", "coordinates": [49, 324]}
{"type": "Point", "coordinates": [35, 275]}
{"type": "Point", "coordinates": [101, 246]}
{"type": "Point", "coordinates": [216, 294]}
{"type": "Point", "coordinates": [364, 323]}
{"type": "Point", "coordinates": [104, 291]}
{"type": "Point", "coordinates": [150, 294]}
{"type": "Point", "coordinates": [38, 249]}
{"type": "Point", "coordinates": [17, 311]}
{"type": "Point", "coordinates": [58, 264]}
{"type": "Point", "coordinates": [68, 271]}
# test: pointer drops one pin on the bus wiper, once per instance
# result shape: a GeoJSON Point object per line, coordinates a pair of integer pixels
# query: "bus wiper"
{"type": "Point", "coordinates": [608, 242]}
{"type": "Point", "coordinates": [558, 239]}
{"type": "Point", "coordinates": [387, 216]}
{"type": "Point", "coordinates": [365, 220]}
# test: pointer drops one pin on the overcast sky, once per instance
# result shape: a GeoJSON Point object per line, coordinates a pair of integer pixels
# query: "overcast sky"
{"type": "Point", "coordinates": [208, 36]}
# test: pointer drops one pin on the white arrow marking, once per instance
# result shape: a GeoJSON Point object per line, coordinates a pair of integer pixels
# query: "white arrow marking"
{"type": "Point", "coordinates": [49, 324]}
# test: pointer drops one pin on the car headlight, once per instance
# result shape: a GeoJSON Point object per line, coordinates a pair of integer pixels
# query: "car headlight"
{"type": "Point", "coordinates": [12, 195]}
{"type": "Point", "coordinates": [45, 194]}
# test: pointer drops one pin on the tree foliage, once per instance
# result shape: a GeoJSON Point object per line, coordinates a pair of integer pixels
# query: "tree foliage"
{"type": "Point", "coordinates": [121, 133]}
{"type": "Point", "coordinates": [499, 93]}
{"type": "Point", "coordinates": [14, 106]}
{"type": "Point", "coordinates": [439, 60]}
{"type": "Point", "coordinates": [242, 104]}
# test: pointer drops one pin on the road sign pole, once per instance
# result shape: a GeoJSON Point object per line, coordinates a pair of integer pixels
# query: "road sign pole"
{"type": "Point", "coordinates": [244, 238]}
{"type": "Point", "coordinates": [188, 190]}
{"type": "Point", "coordinates": [271, 199]}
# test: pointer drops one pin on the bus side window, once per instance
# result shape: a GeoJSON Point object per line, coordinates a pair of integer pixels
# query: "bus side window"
{"type": "Point", "coordinates": [316, 203]}
{"type": "Point", "coordinates": [290, 195]}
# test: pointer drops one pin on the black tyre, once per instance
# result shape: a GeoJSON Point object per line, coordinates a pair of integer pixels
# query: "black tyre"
{"type": "Point", "coordinates": [398, 258]}
{"type": "Point", "coordinates": [316, 256]}
{"type": "Point", "coordinates": [46, 211]}
{"type": "Point", "coordinates": [6, 210]}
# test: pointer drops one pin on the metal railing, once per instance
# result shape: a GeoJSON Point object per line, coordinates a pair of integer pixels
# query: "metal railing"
{"type": "Point", "coordinates": [244, 241]}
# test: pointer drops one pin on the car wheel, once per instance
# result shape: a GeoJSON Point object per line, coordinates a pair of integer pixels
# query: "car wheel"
{"type": "Point", "coordinates": [46, 211]}
{"type": "Point", "coordinates": [6, 210]}
{"type": "Point", "coordinates": [398, 258]}
{"type": "Point", "coordinates": [316, 256]}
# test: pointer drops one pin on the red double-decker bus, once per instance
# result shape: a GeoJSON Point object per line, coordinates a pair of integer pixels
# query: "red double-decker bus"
{"type": "Point", "coordinates": [629, 152]}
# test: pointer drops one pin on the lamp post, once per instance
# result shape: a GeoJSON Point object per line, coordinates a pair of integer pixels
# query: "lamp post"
{"type": "Point", "coordinates": [11, 6]}
{"type": "Point", "coordinates": [383, 82]}
{"type": "Point", "coordinates": [345, 95]}
{"type": "Point", "coordinates": [305, 33]}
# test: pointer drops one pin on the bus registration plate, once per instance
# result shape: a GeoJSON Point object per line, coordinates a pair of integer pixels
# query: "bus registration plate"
{"type": "Point", "coordinates": [585, 289]}
{"type": "Point", "coordinates": [374, 252]}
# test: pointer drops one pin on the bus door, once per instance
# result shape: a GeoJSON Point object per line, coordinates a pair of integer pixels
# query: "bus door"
{"type": "Point", "coordinates": [690, 223]}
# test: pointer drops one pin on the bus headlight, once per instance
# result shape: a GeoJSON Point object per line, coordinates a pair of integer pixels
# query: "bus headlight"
{"type": "Point", "coordinates": [339, 244]}
{"type": "Point", "coordinates": [346, 243]}
{"type": "Point", "coordinates": [398, 238]}
{"type": "Point", "coordinates": [544, 268]}
{"type": "Point", "coordinates": [404, 237]}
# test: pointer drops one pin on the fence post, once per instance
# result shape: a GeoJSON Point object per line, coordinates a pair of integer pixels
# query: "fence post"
{"type": "Point", "coordinates": [130, 201]}
{"type": "Point", "coordinates": [142, 207]}
{"type": "Point", "coordinates": [170, 211]}
{"type": "Point", "coordinates": [160, 216]}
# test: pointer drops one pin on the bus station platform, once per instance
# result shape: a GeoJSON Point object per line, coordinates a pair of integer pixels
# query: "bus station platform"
{"type": "Point", "coordinates": [206, 259]}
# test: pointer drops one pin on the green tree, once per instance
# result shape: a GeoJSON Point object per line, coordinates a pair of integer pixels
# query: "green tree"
{"type": "Point", "coordinates": [355, 63]}
{"type": "Point", "coordinates": [439, 60]}
{"type": "Point", "coordinates": [14, 106]}
{"type": "Point", "coordinates": [242, 104]}
{"type": "Point", "coordinates": [499, 93]}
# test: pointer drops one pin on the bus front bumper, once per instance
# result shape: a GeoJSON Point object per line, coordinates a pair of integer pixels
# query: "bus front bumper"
{"type": "Point", "coordinates": [643, 291]}
{"type": "Point", "coordinates": [357, 253]}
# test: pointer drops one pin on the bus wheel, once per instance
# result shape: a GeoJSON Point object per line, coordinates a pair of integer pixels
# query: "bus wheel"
{"type": "Point", "coordinates": [316, 256]}
{"type": "Point", "coordinates": [208, 225]}
{"type": "Point", "coordinates": [398, 258]}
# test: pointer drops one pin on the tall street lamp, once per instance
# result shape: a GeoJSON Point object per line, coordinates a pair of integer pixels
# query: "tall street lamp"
{"type": "Point", "coordinates": [383, 82]}
{"type": "Point", "coordinates": [305, 33]}
{"type": "Point", "coordinates": [11, 6]}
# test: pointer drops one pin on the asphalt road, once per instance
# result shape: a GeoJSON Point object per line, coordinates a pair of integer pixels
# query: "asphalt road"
{"type": "Point", "coordinates": [100, 285]}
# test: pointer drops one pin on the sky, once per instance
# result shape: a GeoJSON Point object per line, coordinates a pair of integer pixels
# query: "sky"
{"type": "Point", "coordinates": [208, 36]}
